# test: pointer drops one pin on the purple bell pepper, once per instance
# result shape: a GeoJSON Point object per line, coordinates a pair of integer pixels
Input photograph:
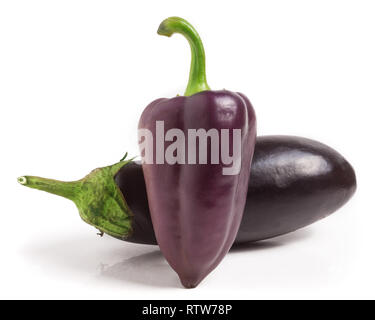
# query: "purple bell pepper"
{"type": "Point", "coordinates": [196, 166]}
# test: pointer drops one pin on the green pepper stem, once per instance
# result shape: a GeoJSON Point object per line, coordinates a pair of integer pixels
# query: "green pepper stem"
{"type": "Point", "coordinates": [197, 78]}
{"type": "Point", "coordinates": [64, 189]}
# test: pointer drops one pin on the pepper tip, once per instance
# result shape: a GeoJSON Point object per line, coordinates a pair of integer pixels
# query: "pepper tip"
{"type": "Point", "coordinates": [163, 30]}
{"type": "Point", "coordinates": [167, 26]}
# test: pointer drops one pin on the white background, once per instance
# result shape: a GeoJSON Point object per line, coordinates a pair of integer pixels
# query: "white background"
{"type": "Point", "coordinates": [74, 79]}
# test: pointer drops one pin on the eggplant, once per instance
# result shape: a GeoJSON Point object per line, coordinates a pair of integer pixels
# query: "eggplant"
{"type": "Point", "coordinates": [294, 182]}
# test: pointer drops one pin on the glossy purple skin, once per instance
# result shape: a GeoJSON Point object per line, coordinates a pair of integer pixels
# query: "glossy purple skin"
{"type": "Point", "coordinates": [195, 209]}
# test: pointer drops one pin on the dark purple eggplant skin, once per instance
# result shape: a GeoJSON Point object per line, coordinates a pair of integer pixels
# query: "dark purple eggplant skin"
{"type": "Point", "coordinates": [195, 209]}
{"type": "Point", "coordinates": [294, 182]}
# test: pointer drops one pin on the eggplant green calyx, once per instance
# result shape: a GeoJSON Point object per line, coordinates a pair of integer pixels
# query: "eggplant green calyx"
{"type": "Point", "coordinates": [197, 78]}
{"type": "Point", "coordinates": [99, 200]}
